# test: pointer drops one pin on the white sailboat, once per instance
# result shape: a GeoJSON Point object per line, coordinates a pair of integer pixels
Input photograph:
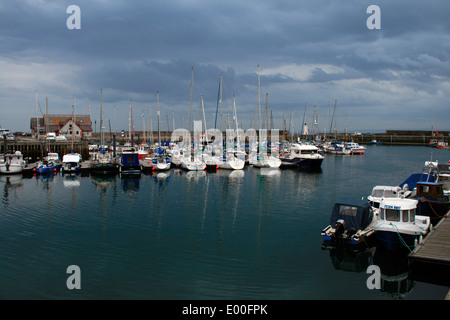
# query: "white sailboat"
{"type": "Point", "coordinates": [232, 159]}
{"type": "Point", "coordinates": [71, 163]}
{"type": "Point", "coordinates": [262, 159]}
{"type": "Point", "coordinates": [196, 162]}
{"type": "Point", "coordinates": [161, 160]}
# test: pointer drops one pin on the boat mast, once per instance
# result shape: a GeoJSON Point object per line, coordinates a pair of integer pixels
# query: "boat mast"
{"type": "Point", "coordinates": [143, 124]}
{"type": "Point", "coordinates": [158, 113]}
{"type": "Point", "coordinates": [129, 123]}
{"type": "Point", "coordinates": [235, 114]}
{"type": "Point", "coordinates": [73, 122]}
{"type": "Point", "coordinates": [190, 103]}
{"type": "Point", "coordinates": [101, 117]}
{"type": "Point", "coordinates": [258, 106]}
{"type": "Point", "coordinates": [204, 117]}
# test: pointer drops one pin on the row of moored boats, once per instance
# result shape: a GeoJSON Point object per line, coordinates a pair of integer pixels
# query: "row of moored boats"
{"type": "Point", "coordinates": [395, 216]}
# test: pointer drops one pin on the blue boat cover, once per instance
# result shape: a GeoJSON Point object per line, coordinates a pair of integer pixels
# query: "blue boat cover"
{"type": "Point", "coordinates": [130, 159]}
{"type": "Point", "coordinates": [416, 177]}
{"type": "Point", "coordinates": [357, 214]}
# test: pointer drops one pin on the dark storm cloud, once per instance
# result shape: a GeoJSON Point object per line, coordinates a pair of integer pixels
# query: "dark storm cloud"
{"type": "Point", "coordinates": [308, 51]}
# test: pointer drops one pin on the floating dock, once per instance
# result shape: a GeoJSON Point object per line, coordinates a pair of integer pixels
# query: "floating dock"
{"type": "Point", "coordinates": [430, 261]}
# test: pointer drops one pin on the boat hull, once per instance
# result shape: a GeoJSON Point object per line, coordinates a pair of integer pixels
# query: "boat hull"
{"type": "Point", "coordinates": [393, 240]}
{"type": "Point", "coordinates": [103, 169]}
{"type": "Point", "coordinates": [11, 169]}
{"type": "Point", "coordinates": [302, 163]}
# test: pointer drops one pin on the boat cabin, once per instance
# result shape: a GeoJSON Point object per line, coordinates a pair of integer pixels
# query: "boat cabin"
{"type": "Point", "coordinates": [381, 192]}
{"type": "Point", "coordinates": [398, 210]}
{"type": "Point", "coordinates": [430, 190]}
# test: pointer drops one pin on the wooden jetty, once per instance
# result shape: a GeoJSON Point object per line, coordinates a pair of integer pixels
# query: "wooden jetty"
{"type": "Point", "coordinates": [430, 261]}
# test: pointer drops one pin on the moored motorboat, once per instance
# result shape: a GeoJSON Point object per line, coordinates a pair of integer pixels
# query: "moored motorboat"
{"type": "Point", "coordinates": [398, 226]}
{"type": "Point", "coordinates": [71, 163]}
{"type": "Point", "coordinates": [352, 222]}
{"type": "Point", "coordinates": [336, 148]}
{"type": "Point", "coordinates": [12, 163]}
{"type": "Point", "coordinates": [302, 156]}
{"type": "Point", "coordinates": [128, 163]}
{"type": "Point", "coordinates": [355, 148]}
{"type": "Point", "coordinates": [381, 192]}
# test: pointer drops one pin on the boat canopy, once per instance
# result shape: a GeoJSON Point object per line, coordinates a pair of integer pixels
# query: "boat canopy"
{"type": "Point", "coordinates": [416, 177]}
{"type": "Point", "coordinates": [130, 159]}
{"type": "Point", "coordinates": [72, 157]}
{"type": "Point", "coordinates": [357, 214]}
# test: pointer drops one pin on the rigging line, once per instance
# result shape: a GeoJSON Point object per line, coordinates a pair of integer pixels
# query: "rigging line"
{"type": "Point", "coordinates": [400, 237]}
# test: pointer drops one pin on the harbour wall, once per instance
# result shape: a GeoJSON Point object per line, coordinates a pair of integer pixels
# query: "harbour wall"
{"type": "Point", "coordinates": [37, 149]}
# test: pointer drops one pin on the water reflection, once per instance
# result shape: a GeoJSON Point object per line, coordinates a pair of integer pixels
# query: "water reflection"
{"type": "Point", "coordinates": [11, 185]}
{"type": "Point", "coordinates": [395, 281]}
{"type": "Point", "coordinates": [349, 260]}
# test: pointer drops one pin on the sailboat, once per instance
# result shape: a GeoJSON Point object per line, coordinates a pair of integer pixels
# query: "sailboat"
{"type": "Point", "coordinates": [232, 160]}
{"type": "Point", "coordinates": [102, 160]}
{"type": "Point", "coordinates": [71, 163]}
{"type": "Point", "coordinates": [161, 160]}
{"type": "Point", "coordinates": [195, 162]}
{"type": "Point", "coordinates": [262, 159]}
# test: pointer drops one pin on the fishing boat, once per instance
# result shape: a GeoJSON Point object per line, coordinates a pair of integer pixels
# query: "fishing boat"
{"type": "Point", "coordinates": [12, 163]}
{"type": "Point", "coordinates": [429, 191]}
{"type": "Point", "coordinates": [398, 226]}
{"type": "Point", "coordinates": [302, 156]}
{"type": "Point", "coordinates": [128, 162]}
{"type": "Point", "coordinates": [352, 222]}
{"type": "Point", "coordinates": [382, 192]}
{"type": "Point", "coordinates": [355, 148]}
{"type": "Point", "coordinates": [71, 163]}
{"type": "Point", "coordinates": [143, 150]}
{"type": "Point", "coordinates": [444, 176]}
{"type": "Point", "coordinates": [54, 157]}
{"type": "Point", "coordinates": [45, 166]}
{"type": "Point", "coordinates": [432, 200]}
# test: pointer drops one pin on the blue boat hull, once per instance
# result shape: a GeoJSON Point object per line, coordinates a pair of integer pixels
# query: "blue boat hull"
{"type": "Point", "coordinates": [392, 241]}
{"type": "Point", "coordinates": [303, 163]}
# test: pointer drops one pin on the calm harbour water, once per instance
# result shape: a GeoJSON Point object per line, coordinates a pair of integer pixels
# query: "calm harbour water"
{"type": "Point", "coordinates": [251, 234]}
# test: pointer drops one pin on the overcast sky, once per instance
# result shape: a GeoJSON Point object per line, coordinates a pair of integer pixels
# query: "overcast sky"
{"type": "Point", "coordinates": [310, 53]}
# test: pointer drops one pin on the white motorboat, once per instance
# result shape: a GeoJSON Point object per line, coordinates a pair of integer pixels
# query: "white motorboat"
{"type": "Point", "coordinates": [382, 192]}
{"type": "Point", "coordinates": [71, 163]}
{"type": "Point", "coordinates": [355, 148]}
{"type": "Point", "coordinates": [336, 148]}
{"type": "Point", "coordinates": [398, 226]}
{"type": "Point", "coordinates": [302, 156]}
{"type": "Point", "coordinates": [12, 163]}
